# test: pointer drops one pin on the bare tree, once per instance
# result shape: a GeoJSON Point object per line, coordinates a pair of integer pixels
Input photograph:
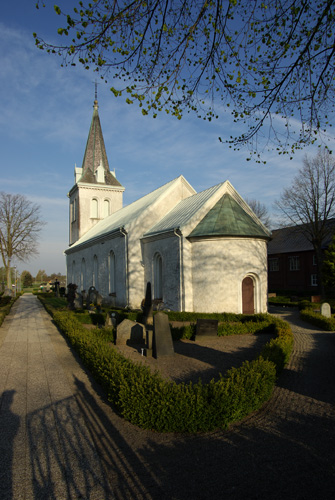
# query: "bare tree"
{"type": "Point", "coordinates": [20, 225]}
{"type": "Point", "coordinates": [310, 202]}
{"type": "Point", "coordinates": [260, 210]}
{"type": "Point", "coordinates": [266, 60]}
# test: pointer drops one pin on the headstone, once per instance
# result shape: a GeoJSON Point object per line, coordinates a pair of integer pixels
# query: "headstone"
{"type": "Point", "coordinates": [315, 299]}
{"type": "Point", "coordinates": [326, 310]}
{"type": "Point", "coordinates": [129, 332]}
{"type": "Point", "coordinates": [111, 320]}
{"type": "Point", "coordinates": [78, 301]}
{"type": "Point", "coordinates": [206, 328]}
{"type": "Point", "coordinates": [71, 294]}
{"type": "Point", "coordinates": [56, 288]}
{"type": "Point", "coordinates": [162, 339]}
{"type": "Point", "coordinates": [147, 306]}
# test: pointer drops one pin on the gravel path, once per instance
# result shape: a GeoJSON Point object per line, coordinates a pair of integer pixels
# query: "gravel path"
{"type": "Point", "coordinates": [284, 451]}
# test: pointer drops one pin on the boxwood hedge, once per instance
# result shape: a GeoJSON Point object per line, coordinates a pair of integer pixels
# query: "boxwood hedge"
{"type": "Point", "coordinates": [147, 400]}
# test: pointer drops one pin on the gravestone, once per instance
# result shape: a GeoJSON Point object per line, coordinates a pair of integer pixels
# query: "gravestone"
{"type": "Point", "coordinates": [129, 332]}
{"type": "Point", "coordinates": [147, 306]}
{"type": "Point", "coordinates": [326, 310]}
{"type": "Point", "coordinates": [162, 344]}
{"type": "Point", "coordinates": [111, 320]}
{"type": "Point", "coordinates": [78, 301]}
{"type": "Point", "coordinates": [56, 288]}
{"type": "Point", "coordinates": [206, 328]}
{"type": "Point", "coordinates": [71, 294]}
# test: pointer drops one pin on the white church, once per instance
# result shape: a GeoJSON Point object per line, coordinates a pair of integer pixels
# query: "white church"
{"type": "Point", "coordinates": [201, 252]}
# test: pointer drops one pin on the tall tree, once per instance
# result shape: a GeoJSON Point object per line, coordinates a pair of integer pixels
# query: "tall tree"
{"type": "Point", "coordinates": [20, 225]}
{"type": "Point", "coordinates": [328, 270]}
{"type": "Point", "coordinates": [260, 210]}
{"type": "Point", "coordinates": [26, 278]}
{"type": "Point", "coordinates": [41, 275]}
{"type": "Point", "coordinates": [264, 59]}
{"type": "Point", "coordinates": [310, 202]}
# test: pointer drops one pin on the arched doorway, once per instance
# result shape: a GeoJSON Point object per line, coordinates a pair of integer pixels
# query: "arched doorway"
{"type": "Point", "coordinates": [248, 299]}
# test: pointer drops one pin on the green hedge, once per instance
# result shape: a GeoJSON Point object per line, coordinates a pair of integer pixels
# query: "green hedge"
{"type": "Point", "coordinates": [6, 305]}
{"type": "Point", "coordinates": [317, 319]}
{"type": "Point", "coordinates": [149, 401]}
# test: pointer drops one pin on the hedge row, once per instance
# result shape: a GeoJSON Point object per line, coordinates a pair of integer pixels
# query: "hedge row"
{"type": "Point", "coordinates": [149, 401]}
{"type": "Point", "coordinates": [327, 324]}
{"type": "Point", "coordinates": [6, 305]}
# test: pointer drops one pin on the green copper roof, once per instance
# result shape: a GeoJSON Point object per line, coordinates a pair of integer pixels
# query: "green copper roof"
{"type": "Point", "coordinates": [227, 218]}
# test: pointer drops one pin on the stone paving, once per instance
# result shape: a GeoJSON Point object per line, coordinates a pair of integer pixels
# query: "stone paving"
{"type": "Point", "coordinates": [60, 439]}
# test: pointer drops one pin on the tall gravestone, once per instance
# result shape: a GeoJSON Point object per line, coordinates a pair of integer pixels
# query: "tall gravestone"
{"type": "Point", "coordinates": [162, 339]}
{"type": "Point", "coordinates": [148, 319]}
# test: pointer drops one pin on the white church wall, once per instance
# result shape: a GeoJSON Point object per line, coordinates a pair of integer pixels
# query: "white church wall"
{"type": "Point", "coordinates": [219, 266]}
{"type": "Point", "coordinates": [99, 253]}
{"type": "Point", "coordinates": [167, 246]}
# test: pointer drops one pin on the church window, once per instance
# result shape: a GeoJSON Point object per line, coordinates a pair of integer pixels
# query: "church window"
{"type": "Point", "coordinates": [94, 208]}
{"type": "Point", "coordinates": [158, 277]}
{"type": "Point", "coordinates": [106, 208]}
{"type": "Point", "coordinates": [73, 274]}
{"type": "Point", "coordinates": [95, 272]}
{"type": "Point", "coordinates": [83, 275]}
{"type": "Point", "coordinates": [73, 210]}
{"type": "Point", "coordinates": [111, 271]}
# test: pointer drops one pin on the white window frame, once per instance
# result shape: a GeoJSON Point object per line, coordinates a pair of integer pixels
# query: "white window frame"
{"type": "Point", "coordinates": [294, 263]}
{"type": "Point", "coordinates": [314, 280]}
{"type": "Point", "coordinates": [274, 264]}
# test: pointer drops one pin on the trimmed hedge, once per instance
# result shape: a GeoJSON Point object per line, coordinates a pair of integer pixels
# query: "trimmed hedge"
{"type": "Point", "coordinates": [6, 305]}
{"type": "Point", "coordinates": [317, 319]}
{"type": "Point", "coordinates": [147, 400]}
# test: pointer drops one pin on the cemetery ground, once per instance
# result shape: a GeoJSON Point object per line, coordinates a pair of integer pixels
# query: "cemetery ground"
{"type": "Point", "coordinates": [60, 437]}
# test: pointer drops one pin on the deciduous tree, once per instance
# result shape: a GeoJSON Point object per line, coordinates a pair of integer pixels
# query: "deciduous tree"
{"type": "Point", "coordinates": [260, 210]}
{"type": "Point", "coordinates": [20, 224]}
{"type": "Point", "coordinates": [271, 62]}
{"type": "Point", "coordinates": [310, 202]}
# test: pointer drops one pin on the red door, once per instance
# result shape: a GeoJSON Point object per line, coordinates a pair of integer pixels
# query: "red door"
{"type": "Point", "coordinates": [248, 306]}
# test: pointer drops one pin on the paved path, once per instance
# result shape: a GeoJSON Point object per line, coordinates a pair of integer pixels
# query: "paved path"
{"type": "Point", "coordinates": [59, 439]}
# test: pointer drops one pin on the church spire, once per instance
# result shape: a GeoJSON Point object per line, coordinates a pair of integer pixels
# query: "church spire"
{"type": "Point", "coordinates": [95, 168]}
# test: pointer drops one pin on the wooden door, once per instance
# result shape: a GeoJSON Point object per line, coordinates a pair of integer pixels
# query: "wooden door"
{"type": "Point", "coordinates": [248, 304]}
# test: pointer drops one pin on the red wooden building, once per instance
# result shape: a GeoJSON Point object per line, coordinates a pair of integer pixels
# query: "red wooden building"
{"type": "Point", "coordinates": [291, 260]}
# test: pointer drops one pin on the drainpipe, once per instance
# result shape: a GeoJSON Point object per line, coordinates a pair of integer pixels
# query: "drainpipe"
{"type": "Point", "coordinates": [126, 256]}
{"type": "Point", "coordinates": [178, 233]}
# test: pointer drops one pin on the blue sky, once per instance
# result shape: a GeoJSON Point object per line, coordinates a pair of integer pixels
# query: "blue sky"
{"type": "Point", "coordinates": [45, 116]}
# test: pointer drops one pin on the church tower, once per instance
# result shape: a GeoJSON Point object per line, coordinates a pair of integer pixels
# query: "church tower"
{"type": "Point", "coordinates": [96, 192]}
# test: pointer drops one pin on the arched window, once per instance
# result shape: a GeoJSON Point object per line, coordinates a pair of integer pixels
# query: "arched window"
{"type": "Point", "coordinates": [106, 208]}
{"type": "Point", "coordinates": [73, 274]}
{"type": "Point", "coordinates": [83, 275]}
{"type": "Point", "coordinates": [95, 272]}
{"type": "Point", "coordinates": [94, 208]}
{"type": "Point", "coordinates": [158, 277]}
{"type": "Point", "coordinates": [111, 271]}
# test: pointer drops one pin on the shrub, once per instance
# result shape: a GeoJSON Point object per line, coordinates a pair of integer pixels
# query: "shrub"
{"type": "Point", "coordinates": [318, 320]}
{"type": "Point", "coordinates": [147, 400]}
